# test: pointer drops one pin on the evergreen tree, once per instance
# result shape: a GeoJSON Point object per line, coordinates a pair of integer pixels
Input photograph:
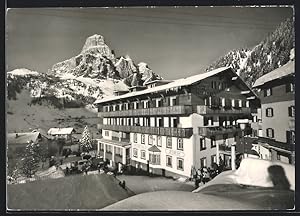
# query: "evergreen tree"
{"type": "Point", "coordinates": [86, 141]}
{"type": "Point", "coordinates": [31, 159]}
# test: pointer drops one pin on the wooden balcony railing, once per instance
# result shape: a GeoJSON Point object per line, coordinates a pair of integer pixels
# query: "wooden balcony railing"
{"type": "Point", "coordinates": [158, 111]}
{"type": "Point", "coordinates": [211, 131]}
{"type": "Point", "coordinates": [121, 139]}
{"type": "Point", "coordinates": [203, 110]}
{"type": "Point", "coordinates": [223, 147]}
{"type": "Point", "coordinates": [163, 131]}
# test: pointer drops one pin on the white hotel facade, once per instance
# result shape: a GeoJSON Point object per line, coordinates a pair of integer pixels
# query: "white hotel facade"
{"type": "Point", "coordinates": [171, 128]}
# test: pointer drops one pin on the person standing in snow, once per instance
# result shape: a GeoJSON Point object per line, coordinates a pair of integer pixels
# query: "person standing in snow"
{"type": "Point", "coordinates": [206, 175]}
{"type": "Point", "coordinates": [198, 178]}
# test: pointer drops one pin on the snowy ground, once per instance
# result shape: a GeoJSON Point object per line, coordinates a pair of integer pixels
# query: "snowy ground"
{"type": "Point", "coordinates": [143, 184]}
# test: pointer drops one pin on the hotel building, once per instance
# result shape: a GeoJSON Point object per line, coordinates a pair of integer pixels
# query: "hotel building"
{"type": "Point", "coordinates": [277, 94]}
{"type": "Point", "coordinates": [171, 128]}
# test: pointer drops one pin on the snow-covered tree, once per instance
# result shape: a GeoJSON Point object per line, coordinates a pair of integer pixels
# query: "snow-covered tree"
{"type": "Point", "coordinates": [86, 141]}
{"type": "Point", "coordinates": [31, 159]}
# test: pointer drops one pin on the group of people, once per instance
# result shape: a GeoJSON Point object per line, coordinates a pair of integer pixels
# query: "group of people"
{"type": "Point", "coordinates": [205, 174]}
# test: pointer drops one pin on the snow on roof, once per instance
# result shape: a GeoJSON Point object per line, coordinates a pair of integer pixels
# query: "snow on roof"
{"type": "Point", "coordinates": [23, 72]}
{"type": "Point", "coordinates": [22, 138]}
{"type": "Point", "coordinates": [278, 73]}
{"type": "Point", "coordinates": [177, 83]}
{"type": "Point", "coordinates": [60, 131]}
{"type": "Point", "coordinates": [114, 142]}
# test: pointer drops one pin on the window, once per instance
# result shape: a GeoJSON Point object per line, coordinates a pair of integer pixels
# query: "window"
{"type": "Point", "coordinates": [290, 137]}
{"type": "Point", "coordinates": [247, 104]}
{"type": "Point", "coordinates": [290, 87]}
{"type": "Point", "coordinates": [212, 141]}
{"type": "Point", "coordinates": [135, 137]}
{"type": "Point", "coordinates": [270, 132]}
{"type": "Point", "coordinates": [169, 161]}
{"type": "Point", "coordinates": [159, 141]}
{"type": "Point", "coordinates": [232, 102]}
{"type": "Point", "coordinates": [143, 138]}
{"type": "Point", "coordinates": [169, 142]}
{"type": "Point", "coordinates": [269, 112]}
{"type": "Point", "coordinates": [108, 148]}
{"type": "Point", "coordinates": [213, 159]}
{"type": "Point", "coordinates": [118, 151]}
{"type": "Point", "coordinates": [203, 162]}
{"type": "Point", "coordinates": [106, 133]}
{"type": "Point", "coordinates": [150, 140]}
{"type": "Point", "coordinates": [135, 105]}
{"type": "Point", "coordinates": [291, 111]}
{"type": "Point", "coordinates": [240, 103]}
{"type": "Point", "coordinates": [126, 106]}
{"type": "Point", "coordinates": [154, 159]}
{"type": "Point", "coordinates": [180, 164]}
{"type": "Point", "coordinates": [101, 147]}
{"type": "Point", "coordinates": [145, 104]}
{"type": "Point", "coordinates": [202, 144]}
{"type": "Point", "coordinates": [223, 102]}
{"type": "Point", "coordinates": [180, 144]}
{"type": "Point", "coordinates": [268, 92]}
{"type": "Point", "coordinates": [159, 102]}
{"type": "Point", "coordinates": [173, 101]}
{"type": "Point", "coordinates": [135, 152]}
{"type": "Point", "coordinates": [220, 85]}
{"type": "Point", "coordinates": [208, 121]}
{"type": "Point", "coordinates": [143, 154]}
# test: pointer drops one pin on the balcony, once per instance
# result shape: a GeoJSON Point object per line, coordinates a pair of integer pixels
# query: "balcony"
{"type": "Point", "coordinates": [212, 131]}
{"type": "Point", "coordinates": [223, 147]}
{"type": "Point", "coordinates": [203, 110]}
{"type": "Point", "coordinates": [162, 131]}
{"type": "Point", "coordinates": [120, 139]}
{"type": "Point", "coordinates": [158, 111]}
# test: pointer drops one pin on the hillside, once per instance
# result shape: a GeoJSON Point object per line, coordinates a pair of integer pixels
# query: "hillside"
{"type": "Point", "coordinates": [274, 51]}
{"type": "Point", "coordinates": [23, 115]}
{"type": "Point", "coordinates": [74, 192]}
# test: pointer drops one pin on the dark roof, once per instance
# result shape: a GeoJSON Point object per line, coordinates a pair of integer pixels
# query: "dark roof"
{"type": "Point", "coordinates": [154, 149]}
{"type": "Point", "coordinates": [22, 138]}
{"type": "Point", "coordinates": [277, 144]}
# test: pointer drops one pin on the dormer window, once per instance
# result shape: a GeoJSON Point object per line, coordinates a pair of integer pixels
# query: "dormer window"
{"type": "Point", "coordinates": [268, 92]}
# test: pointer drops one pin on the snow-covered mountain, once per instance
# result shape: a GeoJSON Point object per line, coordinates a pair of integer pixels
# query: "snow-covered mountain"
{"type": "Point", "coordinates": [274, 51]}
{"type": "Point", "coordinates": [98, 61]}
{"type": "Point", "coordinates": [94, 73]}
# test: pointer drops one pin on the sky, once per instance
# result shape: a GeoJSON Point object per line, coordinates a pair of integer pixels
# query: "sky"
{"type": "Point", "coordinates": [174, 41]}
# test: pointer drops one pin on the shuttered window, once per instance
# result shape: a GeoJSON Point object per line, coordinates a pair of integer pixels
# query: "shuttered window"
{"type": "Point", "coordinates": [291, 111]}
{"type": "Point", "coordinates": [270, 132]}
{"type": "Point", "coordinates": [269, 112]}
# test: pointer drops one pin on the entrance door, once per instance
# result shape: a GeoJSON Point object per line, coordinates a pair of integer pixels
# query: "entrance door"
{"type": "Point", "coordinates": [163, 172]}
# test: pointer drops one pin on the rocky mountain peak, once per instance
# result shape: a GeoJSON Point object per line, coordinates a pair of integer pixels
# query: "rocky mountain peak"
{"type": "Point", "coordinates": [92, 41]}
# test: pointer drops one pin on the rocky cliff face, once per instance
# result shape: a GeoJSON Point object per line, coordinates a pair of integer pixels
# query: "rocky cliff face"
{"type": "Point", "coordinates": [98, 61]}
{"type": "Point", "coordinates": [93, 74]}
{"type": "Point", "coordinates": [274, 51]}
